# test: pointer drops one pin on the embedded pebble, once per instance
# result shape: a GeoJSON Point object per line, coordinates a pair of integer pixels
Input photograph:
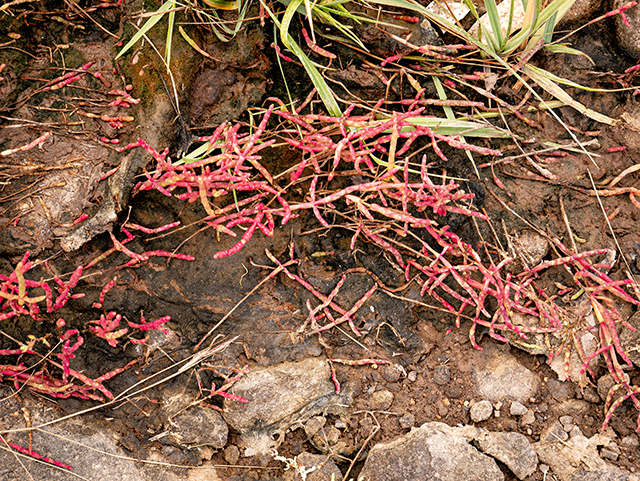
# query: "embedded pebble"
{"type": "Point", "coordinates": [315, 466]}
{"type": "Point", "coordinates": [232, 454]}
{"type": "Point", "coordinates": [391, 373]}
{"type": "Point", "coordinates": [554, 433]}
{"type": "Point", "coordinates": [517, 409]}
{"type": "Point", "coordinates": [381, 400]}
{"type": "Point", "coordinates": [407, 421]}
{"type": "Point", "coordinates": [441, 375]}
{"type": "Point", "coordinates": [566, 420]}
{"type": "Point", "coordinates": [630, 441]}
{"type": "Point", "coordinates": [313, 425]}
{"type": "Point", "coordinates": [481, 411]}
{"type": "Point", "coordinates": [608, 454]}
{"type": "Point", "coordinates": [413, 375]}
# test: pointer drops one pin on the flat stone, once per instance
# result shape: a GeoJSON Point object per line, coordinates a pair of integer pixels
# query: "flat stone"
{"type": "Point", "coordinates": [313, 425]}
{"type": "Point", "coordinates": [512, 449]}
{"type": "Point", "coordinates": [200, 425]}
{"type": "Point", "coordinates": [280, 396]}
{"type": "Point", "coordinates": [432, 451]}
{"type": "Point", "coordinates": [517, 409]}
{"type": "Point", "coordinates": [481, 411]}
{"type": "Point", "coordinates": [554, 432]}
{"type": "Point", "coordinates": [566, 420]}
{"type": "Point", "coordinates": [591, 395]}
{"type": "Point", "coordinates": [497, 375]}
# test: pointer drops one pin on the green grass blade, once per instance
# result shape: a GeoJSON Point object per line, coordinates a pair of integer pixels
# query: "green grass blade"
{"type": "Point", "coordinates": [325, 93]}
{"type": "Point", "coordinates": [146, 27]}
{"type": "Point", "coordinates": [564, 48]}
{"type": "Point", "coordinates": [547, 84]}
{"type": "Point", "coordinates": [172, 21]}
{"type": "Point", "coordinates": [494, 19]}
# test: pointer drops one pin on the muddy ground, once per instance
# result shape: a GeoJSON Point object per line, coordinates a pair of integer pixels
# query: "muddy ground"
{"type": "Point", "coordinates": [434, 370]}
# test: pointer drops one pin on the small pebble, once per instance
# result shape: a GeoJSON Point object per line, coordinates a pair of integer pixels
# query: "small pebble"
{"type": "Point", "coordinates": [608, 454]}
{"type": "Point", "coordinates": [441, 375]}
{"type": "Point", "coordinates": [381, 400]}
{"type": "Point", "coordinates": [391, 373]}
{"type": "Point", "coordinates": [591, 395]}
{"type": "Point", "coordinates": [630, 441]}
{"type": "Point", "coordinates": [566, 420]}
{"type": "Point", "coordinates": [313, 425]}
{"type": "Point", "coordinates": [575, 432]}
{"type": "Point", "coordinates": [407, 421]}
{"type": "Point", "coordinates": [413, 375]}
{"type": "Point", "coordinates": [614, 447]}
{"type": "Point", "coordinates": [528, 418]}
{"type": "Point", "coordinates": [231, 454]}
{"type": "Point", "coordinates": [517, 409]}
{"type": "Point", "coordinates": [481, 411]}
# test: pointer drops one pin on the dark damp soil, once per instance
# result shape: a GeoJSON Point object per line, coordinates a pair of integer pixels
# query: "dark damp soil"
{"type": "Point", "coordinates": [44, 190]}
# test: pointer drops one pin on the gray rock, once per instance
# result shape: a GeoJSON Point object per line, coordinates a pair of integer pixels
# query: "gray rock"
{"type": "Point", "coordinates": [628, 37]}
{"type": "Point", "coordinates": [566, 420]}
{"type": "Point", "coordinates": [572, 407]}
{"type": "Point", "coordinates": [313, 425]}
{"type": "Point", "coordinates": [315, 467]}
{"type": "Point", "coordinates": [198, 425]}
{"type": "Point", "coordinates": [605, 383]}
{"type": "Point", "coordinates": [561, 391]}
{"type": "Point", "coordinates": [481, 411]}
{"type": "Point", "coordinates": [497, 375]}
{"type": "Point", "coordinates": [577, 458]}
{"type": "Point", "coordinates": [517, 409]}
{"type": "Point", "coordinates": [512, 449]}
{"type": "Point", "coordinates": [280, 396]}
{"type": "Point", "coordinates": [432, 451]}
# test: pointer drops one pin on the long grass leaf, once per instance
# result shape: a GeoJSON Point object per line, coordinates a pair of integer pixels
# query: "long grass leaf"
{"type": "Point", "coordinates": [325, 93]}
{"type": "Point", "coordinates": [155, 18]}
{"type": "Point", "coordinates": [570, 83]}
{"type": "Point", "coordinates": [167, 47]}
{"type": "Point", "coordinates": [556, 91]}
{"type": "Point", "coordinates": [494, 19]}
{"type": "Point", "coordinates": [564, 48]}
